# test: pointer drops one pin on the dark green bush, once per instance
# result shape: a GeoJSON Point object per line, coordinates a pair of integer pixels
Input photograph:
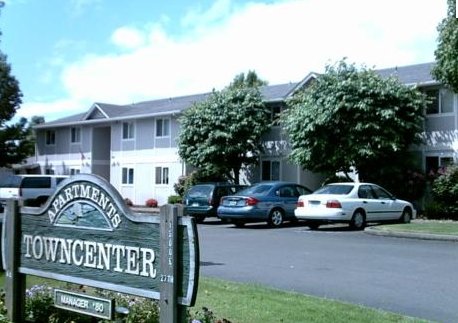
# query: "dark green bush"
{"type": "Point", "coordinates": [444, 189]}
{"type": "Point", "coordinates": [173, 199]}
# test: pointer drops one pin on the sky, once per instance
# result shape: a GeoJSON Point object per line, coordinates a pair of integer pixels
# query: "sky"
{"type": "Point", "coordinates": [69, 54]}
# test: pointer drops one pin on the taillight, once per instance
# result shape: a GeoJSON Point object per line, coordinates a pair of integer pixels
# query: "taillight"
{"type": "Point", "coordinates": [210, 202]}
{"type": "Point", "coordinates": [333, 204]}
{"type": "Point", "coordinates": [300, 203]}
{"type": "Point", "coordinates": [251, 201]}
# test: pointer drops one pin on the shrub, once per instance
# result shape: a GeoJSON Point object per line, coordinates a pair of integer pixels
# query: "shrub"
{"type": "Point", "coordinates": [40, 299]}
{"type": "Point", "coordinates": [128, 201]}
{"type": "Point", "coordinates": [151, 202]}
{"type": "Point", "coordinates": [174, 199]}
{"type": "Point", "coordinates": [445, 192]}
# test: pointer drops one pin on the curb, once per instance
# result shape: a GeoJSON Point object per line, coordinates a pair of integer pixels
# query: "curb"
{"type": "Point", "coordinates": [411, 235]}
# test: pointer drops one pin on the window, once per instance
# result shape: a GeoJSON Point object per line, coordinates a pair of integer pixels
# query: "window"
{"type": "Point", "coordinates": [74, 171]}
{"type": "Point", "coordinates": [128, 130]}
{"type": "Point", "coordinates": [275, 115]}
{"type": "Point", "coordinates": [435, 164]}
{"type": "Point", "coordinates": [75, 134]}
{"type": "Point", "coordinates": [127, 175]}
{"type": "Point", "coordinates": [441, 101]}
{"type": "Point", "coordinates": [162, 127]}
{"type": "Point", "coordinates": [50, 137]}
{"type": "Point", "coordinates": [162, 175]}
{"type": "Point", "coordinates": [270, 170]}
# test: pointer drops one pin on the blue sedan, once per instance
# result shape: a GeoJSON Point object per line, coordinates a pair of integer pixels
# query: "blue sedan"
{"type": "Point", "coordinates": [273, 202]}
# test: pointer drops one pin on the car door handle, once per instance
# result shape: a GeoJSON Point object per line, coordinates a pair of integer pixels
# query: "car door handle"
{"type": "Point", "coordinates": [365, 202]}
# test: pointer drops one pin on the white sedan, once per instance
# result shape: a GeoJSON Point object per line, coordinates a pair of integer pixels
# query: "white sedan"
{"type": "Point", "coordinates": [352, 203]}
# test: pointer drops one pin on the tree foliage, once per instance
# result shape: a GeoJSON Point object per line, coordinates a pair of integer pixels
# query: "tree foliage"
{"type": "Point", "coordinates": [222, 134]}
{"type": "Point", "coordinates": [350, 118]}
{"type": "Point", "coordinates": [446, 68]}
{"type": "Point", "coordinates": [16, 140]}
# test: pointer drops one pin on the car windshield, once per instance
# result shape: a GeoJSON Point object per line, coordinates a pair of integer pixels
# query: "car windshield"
{"type": "Point", "coordinates": [257, 189]}
{"type": "Point", "coordinates": [335, 189]}
{"type": "Point", "coordinates": [200, 191]}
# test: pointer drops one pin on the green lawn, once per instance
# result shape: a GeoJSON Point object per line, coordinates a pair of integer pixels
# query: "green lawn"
{"type": "Point", "coordinates": [247, 303]}
{"type": "Point", "coordinates": [424, 226]}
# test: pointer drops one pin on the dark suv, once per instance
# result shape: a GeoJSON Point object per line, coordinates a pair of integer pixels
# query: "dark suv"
{"type": "Point", "coordinates": [202, 200]}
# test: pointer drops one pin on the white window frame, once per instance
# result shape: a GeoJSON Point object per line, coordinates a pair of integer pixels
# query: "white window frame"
{"type": "Point", "coordinates": [439, 95]}
{"type": "Point", "coordinates": [50, 137]}
{"type": "Point", "coordinates": [161, 175]}
{"type": "Point", "coordinates": [127, 175]}
{"type": "Point", "coordinates": [75, 135]}
{"type": "Point", "coordinates": [128, 130]}
{"type": "Point", "coordinates": [163, 127]}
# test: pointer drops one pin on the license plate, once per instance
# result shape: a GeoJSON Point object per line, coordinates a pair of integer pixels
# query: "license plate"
{"type": "Point", "coordinates": [232, 203]}
{"type": "Point", "coordinates": [314, 203]}
{"type": "Point", "coordinates": [195, 204]}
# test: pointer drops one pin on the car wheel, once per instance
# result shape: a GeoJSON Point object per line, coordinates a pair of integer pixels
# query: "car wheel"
{"type": "Point", "coordinates": [313, 225]}
{"type": "Point", "coordinates": [406, 216]}
{"type": "Point", "coordinates": [358, 220]}
{"type": "Point", "coordinates": [199, 218]}
{"type": "Point", "coordinates": [239, 223]}
{"type": "Point", "coordinates": [275, 218]}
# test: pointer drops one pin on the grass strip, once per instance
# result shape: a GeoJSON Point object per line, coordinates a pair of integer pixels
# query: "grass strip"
{"type": "Point", "coordinates": [424, 226]}
{"type": "Point", "coordinates": [247, 303]}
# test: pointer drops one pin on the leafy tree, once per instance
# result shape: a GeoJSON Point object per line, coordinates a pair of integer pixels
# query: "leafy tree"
{"type": "Point", "coordinates": [222, 134]}
{"type": "Point", "coordinates": [446, 68]}
{"type": "Point", "coordinates": [353, 119]}
{"type": "Point", "coordinates": [251, 80]}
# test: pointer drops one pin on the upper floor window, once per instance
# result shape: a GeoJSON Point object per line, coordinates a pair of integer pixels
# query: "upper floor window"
{"type": "Point", "coordinates": [162, 175]}
{"type": "Point", "coordinates": [128, 130]}
{"type": "Point", "coordinates": [275, 114]}
{"type": "Point", "coordinates": [162, 127]}
{"type": "Point", "coordinates": [440, 101]}
{"type": "Point", "coordinates": [127, 175]}
{"type": "Point", "coordinates": [50, 137]}
{"type": "Point", "coordinates": [75, 134]}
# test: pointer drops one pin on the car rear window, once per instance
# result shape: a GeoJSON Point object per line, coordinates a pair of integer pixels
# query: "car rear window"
{"type": "Point", "coordinates": [260, 189]}
{"type": "Point", "coordinates": [335, 189]}
{"type": "Point", "coordinates": [36, 182]}
{"type": "Point", "coordinates": [200, 191]}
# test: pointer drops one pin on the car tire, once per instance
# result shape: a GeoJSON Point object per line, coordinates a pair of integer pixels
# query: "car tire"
{"type": "Point", "coordinates": [358, 220]}
{"type": "Point", "coordinates": [406, 216]}
{"type": "Point", "coordinates": [276, 217]}
{"type": "Point", "coordinates": [199, 218]}
{"type": "Point", "coordinates": [313, 225]}
{"type": "Point", "coordinates": [239, 223]}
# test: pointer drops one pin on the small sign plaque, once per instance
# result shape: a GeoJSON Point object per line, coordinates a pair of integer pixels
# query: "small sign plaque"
{"type": "Point", "coordinates": [85, 304]}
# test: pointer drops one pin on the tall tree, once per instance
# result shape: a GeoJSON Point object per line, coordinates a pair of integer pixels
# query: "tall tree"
{"type": "Point", "coordinates": [350, 118]}
{"type": "Point", "coordinates": [222, 134]}
{"type": "Point", "coordinates": [446, 68]}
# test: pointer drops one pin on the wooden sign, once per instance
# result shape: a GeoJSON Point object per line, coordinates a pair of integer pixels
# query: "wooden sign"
{"type": "Point", "coordinates": [85, 234]}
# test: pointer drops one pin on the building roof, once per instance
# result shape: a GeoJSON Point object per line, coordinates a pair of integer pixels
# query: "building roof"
{"type": "Point", "coordinates": [419, 74]}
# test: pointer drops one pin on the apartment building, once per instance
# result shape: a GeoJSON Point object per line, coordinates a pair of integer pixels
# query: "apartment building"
{"type": "Point", "coordinates": [134, 146]}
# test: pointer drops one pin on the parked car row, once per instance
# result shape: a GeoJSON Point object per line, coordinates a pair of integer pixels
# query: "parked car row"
{"type": "Point", "coordinates": [275, 202]}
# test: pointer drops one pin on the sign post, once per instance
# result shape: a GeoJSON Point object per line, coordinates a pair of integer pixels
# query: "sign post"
{"type": "Point", "coordinates": [87, 235]}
